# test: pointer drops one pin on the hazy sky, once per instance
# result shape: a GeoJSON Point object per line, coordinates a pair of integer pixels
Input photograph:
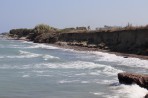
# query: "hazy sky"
{"type": "Point", "coordinates": [71, 13]}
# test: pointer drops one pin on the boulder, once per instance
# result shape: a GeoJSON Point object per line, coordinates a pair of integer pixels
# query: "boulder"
{"type": "Point", "coordinates": [146, 96]}
{"type": "Point", "coordinates": [133, 78]}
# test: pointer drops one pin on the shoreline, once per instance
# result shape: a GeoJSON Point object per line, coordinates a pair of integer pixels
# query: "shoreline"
{"type": "Point", "coordinates": [80, 48]}
{"type": "Point", "coordinates": [126, 42]}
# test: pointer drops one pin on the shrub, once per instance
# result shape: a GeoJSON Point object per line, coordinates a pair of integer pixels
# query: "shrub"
{"type": "Point", "coordinates": [20, 32]}
{"type": "Point", "coordinates": [43, 28]}
{"type": "Point", "coordinates": [40, 30]}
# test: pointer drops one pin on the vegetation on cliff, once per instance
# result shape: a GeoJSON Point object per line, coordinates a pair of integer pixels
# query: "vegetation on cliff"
{"type": "Point", "coordinates": [43, 34]}
{"type": "Point", "coordinates": [17, 33]}
{"type": "Point", "coordinates": [128, 39]}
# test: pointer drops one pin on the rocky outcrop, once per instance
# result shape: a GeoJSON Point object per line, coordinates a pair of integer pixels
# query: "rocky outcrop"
{"type": "Point", "coordinates": [146, 96]}
{"type": "Point", "coordinates": [131, 78]}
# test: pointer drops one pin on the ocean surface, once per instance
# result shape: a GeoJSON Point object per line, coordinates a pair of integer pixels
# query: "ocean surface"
{"type": "Point", "coordinates": [32, 70]}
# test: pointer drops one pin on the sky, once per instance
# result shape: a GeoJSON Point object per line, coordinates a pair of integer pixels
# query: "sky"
{"type": "Point", "coordinates": [71, 13]}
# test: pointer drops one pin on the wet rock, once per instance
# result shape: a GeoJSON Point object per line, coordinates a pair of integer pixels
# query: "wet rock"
{"type": "Point", "coordinates": [101, 45]}
{"type": "Point", "coordinates": [132, 78]}
{"type": "Point", "coordinates": [92, 46]}
{"type": "Point", "coordinates": [61, 43]}
{"type": "Point", "coordinates": [125, 57]}
{"type": "Point", "coordinates": [146, 96]}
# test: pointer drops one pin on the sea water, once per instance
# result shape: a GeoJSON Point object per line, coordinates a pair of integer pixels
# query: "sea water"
{"type": "Point", "coordinates": [32, 70]}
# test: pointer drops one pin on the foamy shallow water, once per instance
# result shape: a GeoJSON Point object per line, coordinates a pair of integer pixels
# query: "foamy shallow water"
{"type": "Point", "coordinates": [31, 70]}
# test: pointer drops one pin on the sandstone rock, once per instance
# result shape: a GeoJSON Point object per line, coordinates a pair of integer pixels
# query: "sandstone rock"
{"type": "Point", "coordinates": [131, 78]}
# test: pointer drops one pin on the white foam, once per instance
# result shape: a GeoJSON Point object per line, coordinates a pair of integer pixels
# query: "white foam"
{"type": "Point", "coordinates": [37, 71]}
{"type": "Point", "coordinates": [81, 74]}
{"type": "Point", "coordinates": [107, 70]}
{"type": "Point", "coordinates": [85, 82]}
{"type": "Point", "coordinates": [44, 46]}
{"type": "Point", "coordinates": [15, 45]}
{"type": "Point", "coordinates": [120, 60]}
{"type": "Point", "coordinates": [123, 91]}
{"type": "Point", "coordinates": [28, 42]}
{"type": "Point", "coordinates": [97, 93]}
{"type": "Point", "coordinates": [47, 57]}
{"type": "Point", "coordinates": [73, 65]}
{"type": "Point", "coordinates": [25, 54]}
{"type": "Point", "coordinates": [128, 91]}
{"type": "Point", "coordinates": [44, 75]}
{"type": "Point", "coordinates": [103, 56]}
{"type": "Point", "coordinates": [133, 62]}
{"type": "Point", "coordinates": [102, 69]}
{"type": "Point", "coordinates": [95, 73]}
{"type": "Point", "coordinates": [68, 81]}
{"type": "Point", "coordinates": [93, 68]}
{"type": "Point", "coordinates": [26, 76]}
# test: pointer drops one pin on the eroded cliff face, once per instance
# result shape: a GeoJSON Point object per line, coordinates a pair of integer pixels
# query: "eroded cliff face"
{"type": "Point", "coordinates": [128, 41]}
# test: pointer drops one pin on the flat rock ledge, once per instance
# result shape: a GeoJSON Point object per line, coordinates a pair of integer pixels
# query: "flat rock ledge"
{"type": "Point", "coordinates": [133, 78]}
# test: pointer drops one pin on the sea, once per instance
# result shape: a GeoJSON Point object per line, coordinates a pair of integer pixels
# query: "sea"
{"type": "Point", "coordinates": [33, 70]}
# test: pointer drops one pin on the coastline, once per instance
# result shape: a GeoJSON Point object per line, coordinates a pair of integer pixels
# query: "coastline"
{"type": "Point", "coordinates": [65, 45]}
{"type": "Point", "coordinates": [88, 67]}
{"type": "Point", "coordinates": [80, 48]}
{"type": "Point", "coordinates": [126, 42]}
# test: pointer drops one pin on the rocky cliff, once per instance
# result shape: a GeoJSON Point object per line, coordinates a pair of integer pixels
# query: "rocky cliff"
{"type": "Point", "coordinates": [127, 41]}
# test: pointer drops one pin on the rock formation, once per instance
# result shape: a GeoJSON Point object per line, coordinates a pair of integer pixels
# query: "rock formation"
{"type": "Point", "coordinates": [131, 78]}
{"type": "Point", "coordinates": [146, 96]}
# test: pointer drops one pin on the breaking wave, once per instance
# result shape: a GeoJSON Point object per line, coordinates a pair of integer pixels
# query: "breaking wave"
{"type": "Point", "coordinates": [26, 54]}
{"type": "Point", "coordinates": [129, 91]}
{"type": "Point", "coordinates": [43, 46]}
{"type": "Point", "coordinates": [132, 62]}
{"type": "Point", "coordinates": [123, 91]}
{"type": "Point", "coordinates": [99, 68]}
